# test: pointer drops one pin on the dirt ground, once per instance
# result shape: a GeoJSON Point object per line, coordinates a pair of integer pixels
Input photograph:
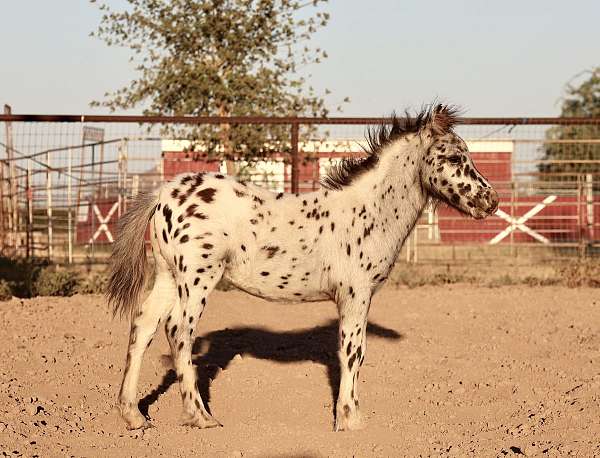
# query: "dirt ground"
{"type": "Point", "coordinates": [450, 371]}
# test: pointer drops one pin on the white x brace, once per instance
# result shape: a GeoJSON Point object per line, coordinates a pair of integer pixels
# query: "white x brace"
{"type": "Point", "coordinates": [104, 223]}
{"type": "Point", "coordinates": [518, 222]}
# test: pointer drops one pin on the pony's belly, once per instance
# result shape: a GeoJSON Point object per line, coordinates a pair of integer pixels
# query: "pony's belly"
{"type": "Point", "coordinates": [276, 292]}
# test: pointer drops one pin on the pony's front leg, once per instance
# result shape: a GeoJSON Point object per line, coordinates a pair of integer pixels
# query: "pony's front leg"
{"type": "Point", "coordinates": [353, 309]}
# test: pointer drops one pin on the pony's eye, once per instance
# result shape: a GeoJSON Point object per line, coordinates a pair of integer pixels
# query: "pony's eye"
{"type": "Point", "coordinates": [454, 159]}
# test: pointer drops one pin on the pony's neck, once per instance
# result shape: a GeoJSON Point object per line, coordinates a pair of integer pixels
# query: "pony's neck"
{"type": "Point", "coordinates": [399, 162]}
{"type": "Point", "coordinates": [393, 190]}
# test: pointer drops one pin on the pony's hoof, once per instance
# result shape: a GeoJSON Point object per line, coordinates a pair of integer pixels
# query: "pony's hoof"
{"type": "Point", "coordinates": [348, 423]}
{"type": "Point", "coordinates": [203, 421]}
{"type": "Point", "coordinates": [133, 418]}
{"type": "Point", "coordinates": [144, 424]}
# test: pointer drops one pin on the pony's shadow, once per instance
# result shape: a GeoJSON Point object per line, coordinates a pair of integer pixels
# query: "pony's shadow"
{"type": "Point", "coordinates": [318, 344]}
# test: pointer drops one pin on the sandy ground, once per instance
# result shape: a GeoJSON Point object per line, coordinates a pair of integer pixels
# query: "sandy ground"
{"type": "Point", "coordinates": [450, 371]}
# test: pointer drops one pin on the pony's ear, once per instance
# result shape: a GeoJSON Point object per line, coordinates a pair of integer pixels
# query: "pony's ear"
{"type": "Point", "coordinates": [443, 118]}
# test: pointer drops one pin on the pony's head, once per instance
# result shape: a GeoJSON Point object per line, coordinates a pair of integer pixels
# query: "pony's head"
{"type": "Point", "coordinates": [445, 168]}
{"type": "Point", "coordinates": [448, 173]}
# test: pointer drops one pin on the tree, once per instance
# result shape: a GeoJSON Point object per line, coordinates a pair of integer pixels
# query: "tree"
{"type": "Point", "coordinates": [581, 100]}
{"type": "Point", "coordinates": [219, 57]}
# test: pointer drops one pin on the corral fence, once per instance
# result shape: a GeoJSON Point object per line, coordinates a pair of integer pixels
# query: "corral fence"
{"type": "Point", "coordinates": [66, 179]}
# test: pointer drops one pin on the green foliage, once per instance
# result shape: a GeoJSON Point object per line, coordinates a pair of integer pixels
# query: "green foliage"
{"type": "Point", "coordinates": [96, 284]}
{"type": "Point", "coordinates": [52, 282]}
{"type": "Point", "coordinates": [413, 277]}
{"type": "Point", "coordinates": [223, 58]}
{"type": "Point", "coordinates": [580, 100]}
{"type": "Point", "coordinates": [573, 274]}
{"type": "Point", "coordinates": [5, 290]}
{"type": "Point", "coordinates": [529, 280]}
{"type": "Point", "coordinates": [580, 273]}
{"type": "Point", "coordinates": [21, 274]}
{"type": "Point", "coordinates": [502, 280]}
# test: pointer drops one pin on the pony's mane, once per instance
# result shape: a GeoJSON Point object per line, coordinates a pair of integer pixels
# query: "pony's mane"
{"type": "Point", "coordinates": [441, 118]}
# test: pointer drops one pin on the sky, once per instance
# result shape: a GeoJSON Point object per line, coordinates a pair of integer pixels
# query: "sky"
{"type": "Point", "coordinates": [502, 58]}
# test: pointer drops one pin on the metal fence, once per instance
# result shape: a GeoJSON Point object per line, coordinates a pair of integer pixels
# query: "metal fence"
{"type": "Point", "coordinates": [65, 181]}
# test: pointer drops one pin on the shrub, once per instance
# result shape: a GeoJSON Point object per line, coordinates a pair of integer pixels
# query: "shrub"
{"type": "Point", "coordinates": [407, 276]}
{"type": "Point", "coordinates": [5, 290]}
{"type": "Point", "coordinates": [51, 282]}
{"type": "Point", "coordinates": [544, 281]}
{"type": "Point", "coordinates": [21, 274]}
{"type": "Point", "coordinates": [96, 284]}
{"type": "Point", "coordinates": [580, 273]}
{"type": "Point", "coordinates": [502, 280]}
{"type": "Point", "coordinates": [414, 277]}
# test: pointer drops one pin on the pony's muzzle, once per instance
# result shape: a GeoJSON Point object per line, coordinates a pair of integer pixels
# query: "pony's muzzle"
{"type": "Point", "coordinates": [493, 202]}
{"type": "Point", "coordinates": [485, 204]}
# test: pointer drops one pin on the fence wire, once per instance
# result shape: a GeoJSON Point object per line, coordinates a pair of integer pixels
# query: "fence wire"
{"type": "Point", "coordinates": [65, 184]}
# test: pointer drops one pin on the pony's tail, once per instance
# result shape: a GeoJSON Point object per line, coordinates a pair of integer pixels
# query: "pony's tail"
{"type": "Point", "coordinates": [128, 258]}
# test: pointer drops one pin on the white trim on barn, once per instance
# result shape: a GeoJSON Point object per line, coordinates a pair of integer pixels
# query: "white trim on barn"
{"type": "Point", "coordinates": [491, 146]}
{"type": "Point", "coordinates": [358, 145]}
{"type": "Point", "coordinates": [272, 172]}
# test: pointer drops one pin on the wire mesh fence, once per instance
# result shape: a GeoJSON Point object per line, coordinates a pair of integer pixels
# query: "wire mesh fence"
{"type": "Point", "coordinates": [65, 181]}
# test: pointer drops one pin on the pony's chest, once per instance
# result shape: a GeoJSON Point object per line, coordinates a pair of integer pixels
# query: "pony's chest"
{"type": "Point", "coordinates": [373, 260]}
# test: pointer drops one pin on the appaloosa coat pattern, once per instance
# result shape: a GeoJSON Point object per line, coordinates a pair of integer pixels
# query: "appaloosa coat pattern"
{"type": "Point", "coordinates": [337, 243]}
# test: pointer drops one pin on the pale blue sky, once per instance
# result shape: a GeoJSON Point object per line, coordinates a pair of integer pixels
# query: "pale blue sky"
{"type": "Point", "coordinates": [502, 58]}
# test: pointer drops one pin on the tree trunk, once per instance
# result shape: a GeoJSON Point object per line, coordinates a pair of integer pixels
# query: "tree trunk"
{"type": "Point", "coordinates": [224, 135]}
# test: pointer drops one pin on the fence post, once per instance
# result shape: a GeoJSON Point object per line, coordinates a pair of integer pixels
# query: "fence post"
{"type": "Point", "coordinates": [100, 166]}
{"type": "Point", "coordinates": [30, 207]}
{"type": "Point", "coordinates": [49, 206]}
{"type": "Point", "coordinates": [93, 203]}
{"type": "Point", "coordinates": [589, 200]}
{"type": "Point", "coordinates": [124, 173]}
{"type": "Point", "coordinates": [12, 184]}
{"type": "Point", "coordinates": [580, 226]}
{"type": "Point", "coordinates": [416, 244]}
{"type": "Point", "coordinates": [295, 158]}
{"type": "Point", "coordinates": [119, 178]}
{"type": "Point", "coordinates": [29, 234]}
{"type": "Point", "coordinates": [2, 194]}
{"type": "Point", "coordinates": [69, 205]}
{"type": "Point", "coordinates": [513, 198]}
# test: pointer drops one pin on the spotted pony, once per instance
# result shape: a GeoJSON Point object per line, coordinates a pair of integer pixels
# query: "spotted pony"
{"type": "Point", "coordinates": [339, 243]}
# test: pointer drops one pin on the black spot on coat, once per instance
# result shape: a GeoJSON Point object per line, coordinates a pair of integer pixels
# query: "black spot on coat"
{"type": "Point", "coordinates": [207, 195]}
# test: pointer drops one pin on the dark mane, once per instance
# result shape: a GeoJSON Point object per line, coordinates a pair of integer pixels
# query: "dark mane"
{"type": "Point", "coordinates": [441, 118]}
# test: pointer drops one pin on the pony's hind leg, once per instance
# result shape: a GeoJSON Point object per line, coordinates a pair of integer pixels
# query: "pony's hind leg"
{"type": "Point", "coordinates": [193, 289]}
{"type": "Point", "coordinates": [144, 323]}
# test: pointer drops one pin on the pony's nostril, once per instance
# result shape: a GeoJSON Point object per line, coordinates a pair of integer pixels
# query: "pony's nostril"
{"type": "Point", "coordinates": [494, 201]}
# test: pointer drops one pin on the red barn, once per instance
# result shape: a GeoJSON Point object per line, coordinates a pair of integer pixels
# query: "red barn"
{"type": "Point", "coordinates": [563, 218]}
{"type": "Point", "coordinates": [494, 160]}
{"type": "Point", "coordinates": [97, 221]}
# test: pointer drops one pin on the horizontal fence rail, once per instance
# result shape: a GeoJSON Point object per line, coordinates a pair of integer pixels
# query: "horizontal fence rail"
{"type": "Point", "coordinates": [334, 120]}
{"type": "Point", "coordinates": [65, 180]}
